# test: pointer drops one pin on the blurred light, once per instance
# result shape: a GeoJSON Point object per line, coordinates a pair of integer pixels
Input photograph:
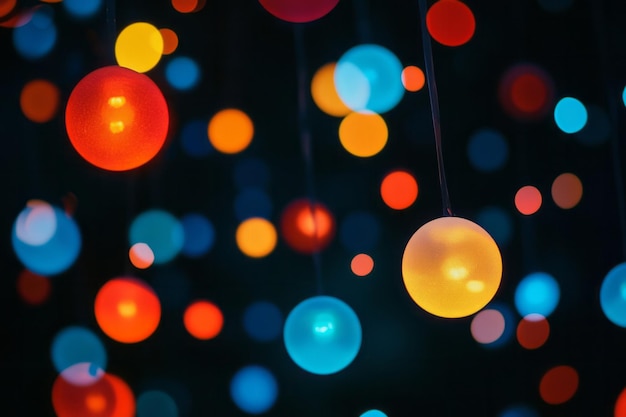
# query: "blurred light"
{"type": "Point", "coordinates": [324, 92]}
{"type": "Point", "coordinates": [182, 73]}
{"type": "Point", "coordinates": [188, 6]}
{"type": "Point", "coordinates": [156, 403]}
{"type": "Point", "coordinates": [567, 190]}
{"type": "Point", "coordinates": [373, 413]}
{"type": "Point", "coordinates": [533, 331]}
{"type": "Point", "coordinates": [161, 231]}
{"type": "Point", "coordinates": [6, 7]}
{"type": "Point", "coordinates": [510, 321]}
{"type": "Point", "coordinates": [528, 200]}
{"type": "Point", "coordinates": [251, 172]}
{"type": "Point", "coordinates": [127, 309]}
{"type": "Point", "coordinates": [487, 326]}
{"type": "Point", "coordinates": [230, 131]}
{"type": "Point", "coordinates": [139, 47]}
{"type": "Point", "coordinates": [170, 41]}
{"type": "Point", "coordinates": [497, 222]}
{"type": "Point", "coordinates": [620, 405]}
{"type": "Point", "coordinates": [76, 345]}
{"type": "Point", "coordinates": [526, 92]}
{"type": "Point", "coordinates": [613, 295]}
{"type": "Point", "coordinates": [301, 11]}
{"type": "Point", "coordinates": [363, 133]}
{"type": "Point", "coordinates": [519, 410]}
{"type": "Point", "coordinates": [359, 231]}
{"type": "Point", "coordinates": [322, 335]}
{"type": "Point", "coordinates": [45, 239]}
{"type": "Point", "coordinates": [114, 105]}
{"type": "Point", "coordinates": [32, 288]}
{"type": "Point", "coordinates": [558, 385]}
{"type": "Point", "coordinates": [256, 237]}
{"type": "Point", "coordinates": [451, 267]}
{"type": "Point", "coordinates": [597, 129]}
{"type": "Point", "coordinates": [369, 77]}
{"type": "Point", "coordinates": [555, 6]}
{"type": "Point", "coordinates": [35, 34]}
{"type": "Point", "coordinates": [362, 264]}
{"type": "Point", "coordinates": [39, 100]}
{"type": "Point", "coordinates": [413, 78]}
{"type": "Point", "coordinates": [252, 202]}
{"type": "Point", "coordinates": [538, 293]}
{"type": "Point", "coordinates": [254, 389]}
{"type": "Point", "coordinates": [199, 235]}
{"type": "Point", "coordinates": [203, 320]}
{"type": "Point", "coordinates": [141, 256]}
{"type": "Point", "coordinates": [399, 189]}
{"type": "Point", "coordinates": [570, 115]}
{"type": "Point", "coordinates": [450, 22]}
{"type": "Point", "coordinates": [262, 321]}
{"type": "Point", "coordinates": [488, 150]}
{"type": "Point", "coordinates": [307, 227]}
{"type": "Point", "coordinates": [82, 9]}
{"type": "Point", "coordinates": [194, 140]}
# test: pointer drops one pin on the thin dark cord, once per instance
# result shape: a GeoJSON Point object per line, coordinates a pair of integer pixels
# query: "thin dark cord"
{"type": "Point", "coordinates": [434, 105]}
{"type": "Point", "coordinates": [305, 144]}
{"type": "Point", "coordinates": [362, 20]}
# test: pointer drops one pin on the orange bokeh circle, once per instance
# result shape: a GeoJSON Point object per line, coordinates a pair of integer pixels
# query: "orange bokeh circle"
{"type": "Point", "coordinates": [203, 320]}
{"type": "Point", "coordinates": [307, 227]}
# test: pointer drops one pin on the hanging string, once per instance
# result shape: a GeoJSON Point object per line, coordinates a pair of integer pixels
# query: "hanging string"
{"type": "Point", "coordinates": [362, 20]}
{"type": "Point", "coordinates": [305, 144]}
{"type": "Point", "coordinates": [434, 106]}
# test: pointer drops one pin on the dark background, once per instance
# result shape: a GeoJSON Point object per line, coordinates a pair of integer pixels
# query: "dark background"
{"type": "Point", "coordinates": [410, 363]}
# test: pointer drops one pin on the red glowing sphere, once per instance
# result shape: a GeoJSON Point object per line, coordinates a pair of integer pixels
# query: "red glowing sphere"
{"type": "Point", "coordinates": [307, 227]}
{"type": "Point", "coordinates": [117, 119]}
{"type": "Point", "coordinates": [300, 11]}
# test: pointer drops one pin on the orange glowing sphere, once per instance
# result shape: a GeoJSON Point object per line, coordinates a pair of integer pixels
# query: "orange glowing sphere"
{"type": "Point", "coordinates": [127, 310]}
{"type": "Point", "coordinates": [117, 119]}
{"type": "Point", "coordinates": [451, 267]}
{"type": "Point", "coordinates": [307, 227]}
{"type": "Point", "coordinates": [203, 320]}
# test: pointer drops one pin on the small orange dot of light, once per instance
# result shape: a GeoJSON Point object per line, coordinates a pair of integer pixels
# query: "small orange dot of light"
{"type": "Point", "coordinates": [256, 237]}
{"type": "Point", "coordinates": [528, 200]}
{"type": "Point", "coordinates": [567, 190]}
{"type": "Point", "coordinates": [230, 131]}
{"type": "Point", "coordinates": [413, 78]}
{"type": "Point", "coordinates": [363, 134]}
{"type": "Point", "coordinates": [95, 402]}
{"type": "Point", "coordinates": [362, 264]}
{"type": "Point", "coordinates": [559, 384]}
{"type": "Point", "coordinates": [450, 22]}
{"type": "Point", "coordinates": [314, 223]}
{"type": "Point", "coordinates": [185, 6]}
{"type": "Point", "coordinates": [141, 256]}
{"type": "Point", "coordinates": [399, 190]}
{"type": "Point", "coordinates": [170, 40]}
{"type": "Point", "coordinates": [203, 320]}
{"type": "Point", "coordinates": [533, 331]}
{"type": "Point", "coordinates": [32, 288]}
{"type": "Point", "coordinates": [307, 227]}
{"type": "Point", "coordinates": [39, 100]}
{"type": "Point", "coordinates": [620, 405]}
{"type": "Point", "coordinates": [6, 7]}
{"type": "Point", "coordinates": [325, 94]}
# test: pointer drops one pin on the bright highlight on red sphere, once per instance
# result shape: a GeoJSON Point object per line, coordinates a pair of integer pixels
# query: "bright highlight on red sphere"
{"type": "Point", "coordinates": [307, 227]}
{"type": "Point", "coordinates": [203, 320]}
{"type": "Point", "coordinates": [127, 310]}
{"type": "Point", "coordinates": [116, 118]}
{"type": "Point", "coordinates": [300, 11]}
{"type": "Point", "coordinates": [450, 22]}
{"type": "Point", "coordinates": [558, 385]}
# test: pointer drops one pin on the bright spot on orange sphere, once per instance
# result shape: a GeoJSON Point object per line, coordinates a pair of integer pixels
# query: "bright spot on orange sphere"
{"type": "Point", "coordinates": [450, 22]}
{"type": "Point", "coordinates": [141, 256]}
{"type": "Point", "coordinates": [399, 190]}
{"type": "Point", "coordinates": [230, 131]}
{"type": "Point", "coordinates": [170, 40]}
{"type": "Point", "coordinates": [139, 47]}
{"type": "Point", "coordinates": [363, 133]}
{"type": "Point", "coordinates": [533, 331]}
{"type": "Point", "coordinates": [307, 227]}
{"type": "Point", "coordinates": [362, 264]}
{"type": "Point", "coordinates": [567, 190]}
{"type": "Point", "coordinates": [324, 92]}
{"type": "Point", "coordinates": [203, 320]}
{"type": "Point", "coordinates": [620, 405]}
{"type": "Point", "coordinates": [39, 100]}
{"type": "Point", "coordinates": [127, 310]}
{"type": "Point", "coordinates": [413, 78]}
{"type": "Point", "coordinates": [559, 384]}
{"type": "Point", "coordinates": [116, 118]}
{"type": "Point", "coordinates": [528, 200]}
{"type": "Point", "coordinates": [32, 288]}
{"type": "Point", "coordinates": [451, 267]}
{"type": "Point", "coordinates": [256, 237]}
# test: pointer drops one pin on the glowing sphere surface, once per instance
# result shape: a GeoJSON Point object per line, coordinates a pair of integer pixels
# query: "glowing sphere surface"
{"type": "Point", "coordinates": [299, 11]}
{"type": "Point", "coordinates": [254, 389]}
{"type": "Point", "coordinates": [613, 295]}
{"type": "Point", "coordinates": [322, 335]}
{"type": "Point", "coordinates": [116, 118]}
{"type": "Point", "coordinates": [451, 267]}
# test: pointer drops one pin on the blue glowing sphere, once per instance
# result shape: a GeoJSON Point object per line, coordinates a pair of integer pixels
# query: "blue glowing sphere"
{"type": "Point", "coordinates": [322, 335]}
{"type": "Point", "coordinates": [78, 353]}
{"type": "Point", "coordinates": [613, 295]}
{"type": "Point", "coordinates": [161, 231]}
{"type": "Point", "coordinates": [254, 389]}
{"type": "Point", "coordinates": [36, 38]}
{"type": "Point", "coordinates": [252, 202]}
{"type": "Point", "coordinates": [373, 413]}
{"type": "Point", "coordinates": [194, 139]}
{"type": "Point", "coordinates": [45, 239]}
{"type": "Point", "coordinates": [199, 235]}
{"type": "Point", "coordinates": [182, 73]}
{"type": "Point", "coordinates": [497, 222]}
{"type": "Point", "coordinates": [488, 151]}
{"type": "Point", "coordinates": [155, 403]}
{"type": "Point", "coordinates": [359, 231]}
{"type": "Point", "coordinates": [537, 293]}
{"type": "Point", "coordinates": [369, 77]}
{"type": "Point", "coordinates": [262, 321]}
{"type": "Point", "coordinates": [570, 115]}
{"type": "Point", "coordinates": [82, 9]}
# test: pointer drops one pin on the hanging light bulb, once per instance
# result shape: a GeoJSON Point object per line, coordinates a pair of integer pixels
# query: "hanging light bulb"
{"type": "Point", "coordinates": [451, 267]}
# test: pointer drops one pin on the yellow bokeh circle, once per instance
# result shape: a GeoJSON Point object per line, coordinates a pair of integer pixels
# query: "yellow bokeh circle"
{"type": "Point", "coordinates": [451, 267]}
{"type": "Point", "coordinates": [325, 94]}
{"type": "Point", "coordinates": [256, 237]}
{"type": "Point", "coordinates": [139, 47]}
{"type": "Point", "coordinates": [363, 133]}
{"type": "Point", "coordinates": [230, 131]}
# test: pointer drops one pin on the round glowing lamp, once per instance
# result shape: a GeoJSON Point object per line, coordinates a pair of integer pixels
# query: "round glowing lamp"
{"type": "Point", "coordinates": [307, 227]}
{"type": "Point", "coordinates": [116, 118]}
{"type": "Point", "coordinates": [613, 295]}
{"type": "Point", "coordinates": [322, 335]}
{"type": "Point", "coordinates": [254, 389]}
{"type": "Point", "coordinates": [203, 320]}
{"type": "Point", "coordinates": [451, 267]}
